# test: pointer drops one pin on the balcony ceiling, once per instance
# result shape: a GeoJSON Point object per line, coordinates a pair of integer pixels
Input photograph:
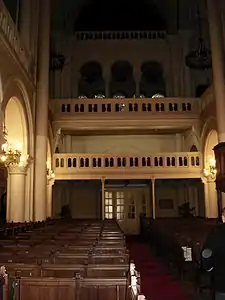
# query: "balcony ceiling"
{"type": "Point", "coordinates": [95, 132]}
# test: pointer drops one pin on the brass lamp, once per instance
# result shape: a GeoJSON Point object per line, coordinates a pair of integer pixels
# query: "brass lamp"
{"type": "Point", "coordinates": [210, 170]}
{"type": "Point", "coordinates": [11, 155]}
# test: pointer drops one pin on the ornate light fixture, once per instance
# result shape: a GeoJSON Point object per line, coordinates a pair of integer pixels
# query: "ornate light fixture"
{"type": "Point", "coordinates": [210, 170]}
{"type": "Point", "coordinates": [50, 173]}
{"type": "Point", "coordinates": [199, 59]}
{"type": "Point", "coordinates": [12, 156]}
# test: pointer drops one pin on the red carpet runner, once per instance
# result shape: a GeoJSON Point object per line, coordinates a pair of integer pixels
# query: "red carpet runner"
{"type": "Point", "coordinates": [156, 282]}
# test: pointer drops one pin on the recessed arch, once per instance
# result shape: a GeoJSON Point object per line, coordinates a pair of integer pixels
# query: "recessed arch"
{"type": "Point", "coordinates": [152, 82]}
{"type": "Point", "coordinates": [210, 143]}
{"type": "Point", "coordinates": [15, 89]}
{"type": "Point", "coordinates": [91, 81]}
{"type": "Point", "coordinates": [16, 125]}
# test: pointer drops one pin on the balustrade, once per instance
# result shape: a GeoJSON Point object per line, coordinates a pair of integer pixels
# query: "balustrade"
{"type": "Point", "coordinates": [119, 35]}
{"type": "Point", "coordinates": [12, 37]}
{"type": "Point", "coordinates": [164, 162]}
{"type": "Point", "coordinates": [125, 105]}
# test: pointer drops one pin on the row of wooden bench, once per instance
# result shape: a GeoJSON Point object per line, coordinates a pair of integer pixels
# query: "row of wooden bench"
{"type": "Point", "coordinates": [172, 237]}
{"type": "Point", "coordinates": [67, 260]}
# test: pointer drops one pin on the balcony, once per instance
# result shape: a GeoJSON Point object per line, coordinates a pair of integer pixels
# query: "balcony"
{"type": "Point", "coordinates": [11, 39]}
{"type": "Point", "coordinates": [68, 113]}
{"type": "Point", "coordinates": [70, 166]}
{"type": "Point", "coordinates": [119, 35]}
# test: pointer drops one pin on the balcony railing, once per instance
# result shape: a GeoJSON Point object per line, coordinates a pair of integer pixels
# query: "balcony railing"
{"type": "Point", "coordinates": [93, 166]}
{"type": "Point", "coordinates": [185, 107]}
{"type": "Point", "coordinates": [119, 35]}
{"type": "Point", "coordinates": [12, 37]}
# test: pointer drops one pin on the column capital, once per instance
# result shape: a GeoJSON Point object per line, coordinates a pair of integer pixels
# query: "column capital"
{"type": "Point", "coordinates": [50, 181]}
{"type": "Point", "coordinates": [103, 179]}
{"type": "Point", "coordinates": [206, 180]}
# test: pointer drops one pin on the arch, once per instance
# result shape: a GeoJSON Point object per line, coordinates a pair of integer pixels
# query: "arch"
{"type": "Point", "coordinates": [152, 82]}
{"type": "Point", "coordinates": [50, 143]}
{"type": "Point", "coordinates": [209, 125]}
{"type": "Point", "coordinates": [194, 148]}
{"type": "Point", "coordinates": [210, 143]}
{"type": "Point", "coordinates": [122, 79]}
{"type": "Point", "coordinates": [91, 82]}
{"type": "Point", "coordinates": [121, 71]}
{"type": "Point", "coordinates": [15, 89]}
{"type": "Point", "coordinates": [16, 126]}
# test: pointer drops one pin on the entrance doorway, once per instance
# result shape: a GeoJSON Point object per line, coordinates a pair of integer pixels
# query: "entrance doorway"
{"type": "Point", "coordinates": [126, 204]}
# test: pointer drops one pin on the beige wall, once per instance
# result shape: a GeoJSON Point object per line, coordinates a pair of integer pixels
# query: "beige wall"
{"type": "Point", "coordinates": [85, 199]}
{"type": "Point", "coordinates": [122, 144]}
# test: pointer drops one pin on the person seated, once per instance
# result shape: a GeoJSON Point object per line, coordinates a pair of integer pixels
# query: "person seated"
{"type": "Point", "coordinates": [66, 212]}
{"type": "Point", "coordinates": [213, 258]}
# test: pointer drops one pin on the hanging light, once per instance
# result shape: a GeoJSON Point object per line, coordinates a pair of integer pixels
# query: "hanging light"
{"type": "Point", "coordinates": [199, 59]}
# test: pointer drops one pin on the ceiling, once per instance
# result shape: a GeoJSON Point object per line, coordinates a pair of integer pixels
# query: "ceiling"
{"type": "Point", "coordinates": [171, 12]}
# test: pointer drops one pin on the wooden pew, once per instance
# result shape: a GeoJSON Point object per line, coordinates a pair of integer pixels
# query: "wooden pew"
{"type": "Point", "coordinates": [63, 251]}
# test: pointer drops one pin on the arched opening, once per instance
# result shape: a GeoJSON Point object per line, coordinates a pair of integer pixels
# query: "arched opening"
{"type": "Point", "coordinates": [211, 199]}
{"type": "Point", "coordinates": [122, 81]}
{"type": "Point", "coordinates": [211, 142]}
{"type": "Point", "coordinates": [193, 149]}
{"type": "Point", "coordinates": [91, 83]}
{"type": "Point", "coordinates": [17, 138]}
{"type": "Point", "coordinates": [152, 84]}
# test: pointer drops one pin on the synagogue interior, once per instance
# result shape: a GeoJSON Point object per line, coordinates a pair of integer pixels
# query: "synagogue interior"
{"type": "Point", "coordinates": [112, 147]}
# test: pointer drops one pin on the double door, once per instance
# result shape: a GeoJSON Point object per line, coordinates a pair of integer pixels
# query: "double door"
{"type": "Point", "coordinates": [126, 205]}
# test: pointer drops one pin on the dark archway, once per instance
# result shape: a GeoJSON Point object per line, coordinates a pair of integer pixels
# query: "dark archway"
{"type": "Point", "coordinates": [152, 82]}
{"type": "Point", "coordinates": [122, 80]}
{"type": "Point", "coordinates": [91, 82]}
{"type": "Point", "coordinates": [101, 15]}
{"type": "Point", "coordinates": [193, 149]}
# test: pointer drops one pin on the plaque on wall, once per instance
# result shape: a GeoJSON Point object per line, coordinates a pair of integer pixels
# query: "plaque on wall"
{"type": "Point", "coordinates": [166, 204]}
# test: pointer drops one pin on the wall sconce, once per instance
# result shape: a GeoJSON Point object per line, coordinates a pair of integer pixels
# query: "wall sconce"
{"type": "Point", "coordinates": [50, 173]}
{"type": "Point", "coordinates": [11, 155]}
{"type": "Point", "coordinates": [210, 170]}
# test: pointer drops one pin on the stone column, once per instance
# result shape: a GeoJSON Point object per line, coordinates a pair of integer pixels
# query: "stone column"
{"type": "Point", "coordinates": [211, 206]}
{"type": "Point", "coordinates": [153, 199]}
{"type": "Point", "coordinates": [68, 144]}
{"type": "Point", "coordinates": [16, 194]}
{"type": "Point", "coordinates": [137, 77]}
{"type": "Point", "coordinates": [25, 22]}
{"type": "Point", "coordinates": [50, 184]}
{"type": "Point", "coordinates": [179, 142]}
{"type": "Point", "coordinates": [40, 192]}
{"type": "Point", "coordinates": [215, 30]}
{"type": "Point", "coordinates": [103, 197]}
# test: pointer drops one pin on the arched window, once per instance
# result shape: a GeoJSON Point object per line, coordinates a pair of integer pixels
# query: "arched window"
{"type": "Point", "coordinates": [152, 80]}
{"type": "Point", "coordinates": [91, 82]}
{"type": "Point", "coordinates": [122, 79]}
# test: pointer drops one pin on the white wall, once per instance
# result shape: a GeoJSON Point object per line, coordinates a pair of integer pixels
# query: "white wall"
{"type": "Point", "coordinates": [122, 144]}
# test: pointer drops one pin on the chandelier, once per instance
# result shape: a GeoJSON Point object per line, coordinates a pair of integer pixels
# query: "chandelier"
{"type": "Point", "coordinates": [11, 155]}
{"type": "Point", "coordinates": [210, 170]}
{"type": "Point", "coordinates": [199, 59]}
